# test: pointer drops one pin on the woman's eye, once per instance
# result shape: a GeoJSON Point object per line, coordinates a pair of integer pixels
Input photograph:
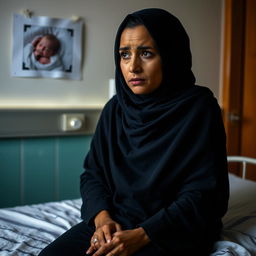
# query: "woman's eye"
{"type": "Point", "coordinates": [124, 55]}
{"type": "Point", "coordinates": [147, 54]}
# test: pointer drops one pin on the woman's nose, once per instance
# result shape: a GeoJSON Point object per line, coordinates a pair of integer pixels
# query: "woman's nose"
{"type": "Point", "coordinates": [135, 65]}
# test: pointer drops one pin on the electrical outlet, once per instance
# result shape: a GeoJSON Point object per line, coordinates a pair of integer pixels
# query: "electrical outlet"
{"type": "Point", "coordinates": [72, 122]}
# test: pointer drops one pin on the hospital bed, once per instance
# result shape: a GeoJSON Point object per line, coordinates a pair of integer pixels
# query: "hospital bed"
{"type": "Point", "coordinates": [26, 230]}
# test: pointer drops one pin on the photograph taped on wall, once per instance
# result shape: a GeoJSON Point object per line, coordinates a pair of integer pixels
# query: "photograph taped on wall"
{"type": "Point", "coordinates": [46, 47]}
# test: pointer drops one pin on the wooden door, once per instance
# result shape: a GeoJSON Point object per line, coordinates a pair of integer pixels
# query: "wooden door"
{"type": "Point", "coordinates": [239, 80]}
{"type": "Point", "coordinates": [248, 129]}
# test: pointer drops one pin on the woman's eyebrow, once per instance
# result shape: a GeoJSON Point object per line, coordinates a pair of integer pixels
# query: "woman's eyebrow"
{"type": "Point", "coordinates": [144, 47]}
{"type": "Point", "coordinates": [124, 48]}
{"type": "Point", "coordinates": [138, 48]}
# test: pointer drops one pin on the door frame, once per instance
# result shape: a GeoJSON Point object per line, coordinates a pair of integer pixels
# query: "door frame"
{"type": "Point", "coordinates": [233, 64]}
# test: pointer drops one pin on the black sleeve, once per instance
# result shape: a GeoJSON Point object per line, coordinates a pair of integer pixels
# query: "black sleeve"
{"type": "Point", "coordinates": [95, 192]}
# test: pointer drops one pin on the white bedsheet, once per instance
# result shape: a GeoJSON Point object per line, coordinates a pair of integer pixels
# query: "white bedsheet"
{"type": "Point", "coordinates": [239, 233]}
{"type": "Point", "coordinates": [26, 230]}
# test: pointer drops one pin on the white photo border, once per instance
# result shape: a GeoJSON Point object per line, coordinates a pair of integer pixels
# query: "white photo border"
{"type": "Point", "coordinates": [73, 28]}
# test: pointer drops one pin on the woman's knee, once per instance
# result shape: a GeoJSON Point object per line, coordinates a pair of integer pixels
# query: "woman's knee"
{"type": "Point", "coordinates": [49, 251]}
{"type": "Point", "coordinates": [73, 242]}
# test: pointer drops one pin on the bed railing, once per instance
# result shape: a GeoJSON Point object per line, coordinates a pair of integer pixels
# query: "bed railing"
{"type": "Point", "coordinates": [244, 160]}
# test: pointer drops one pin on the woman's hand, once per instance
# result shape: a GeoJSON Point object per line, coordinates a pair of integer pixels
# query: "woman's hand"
{"type": "Point", "coordinates": [124, 243]}
{"type": "Point", "coordinates": [105, 228]}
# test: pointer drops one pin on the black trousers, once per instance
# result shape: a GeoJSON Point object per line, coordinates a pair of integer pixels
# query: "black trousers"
{"type": "Point", "coordinates": [76, 241]}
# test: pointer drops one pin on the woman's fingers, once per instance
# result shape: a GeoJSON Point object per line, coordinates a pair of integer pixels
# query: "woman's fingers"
{"type": "Point", "coordinates": [118, 227]}
{"type": "Point", "coordinates": [108, 230]}
{"type": "Point", "coordinates": [91, 249]}
{"type": "Point", "coordinates": [98, 239]}
{"type": "Point", "coordinates": [103, 250]}
{"type": "Point", "coordinates": [117, 250]}
{"type": "Point", "coordinates": [113, 248]}
{"type": "Point", "coordinates": [95, 243]}
{"type": "Point", "coordinates": [102, 237]}
{"type": "Point", "coordinates": [127, 242]}
{"type": "Point", "coordinates": [107, 233]}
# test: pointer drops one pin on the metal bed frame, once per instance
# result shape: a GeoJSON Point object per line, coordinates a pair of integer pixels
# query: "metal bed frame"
{"type": "Point", "coordinates": [244, 160]}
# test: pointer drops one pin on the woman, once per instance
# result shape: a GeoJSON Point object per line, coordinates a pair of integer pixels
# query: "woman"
{"type": "Point", "coordinates": [155, 180]}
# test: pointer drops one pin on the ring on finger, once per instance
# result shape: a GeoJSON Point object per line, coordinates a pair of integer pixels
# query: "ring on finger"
{"type": "Point", "coordinates": [95, 240]}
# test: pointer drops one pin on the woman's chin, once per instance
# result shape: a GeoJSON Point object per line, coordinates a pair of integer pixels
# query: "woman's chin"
{"type": "Point", "coordinates": [140, 90]}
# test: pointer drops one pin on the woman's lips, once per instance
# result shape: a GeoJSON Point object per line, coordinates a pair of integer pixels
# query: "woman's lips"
{"type": "Point", "coordinates": [137, 81]}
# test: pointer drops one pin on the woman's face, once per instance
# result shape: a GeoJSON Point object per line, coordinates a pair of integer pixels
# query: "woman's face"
{"type": "Point", "coordinates": [140, 61]}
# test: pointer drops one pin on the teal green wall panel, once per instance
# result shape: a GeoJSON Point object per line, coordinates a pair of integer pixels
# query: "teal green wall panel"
{"type": "Point", "coordinates": [72, 151]}
{"type": "Point", "coordinates": [39, 170]}
{"type": "Point", "coordinates": [36, 170]}
{"type": "Point", "coordinates": [10, 189]}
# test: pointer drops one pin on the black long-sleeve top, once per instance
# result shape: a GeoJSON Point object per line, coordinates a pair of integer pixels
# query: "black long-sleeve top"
{"type": "Point", "coordinates": [173, 183]}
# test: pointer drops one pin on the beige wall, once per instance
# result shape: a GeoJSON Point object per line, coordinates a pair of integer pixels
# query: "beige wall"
{"type": "Point", "coordinates": [201, 18]}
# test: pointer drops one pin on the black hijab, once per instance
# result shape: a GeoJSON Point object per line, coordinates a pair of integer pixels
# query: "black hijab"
{"type": "Point", "coordinates": [159, 160]}
{"type": "Point", "coordinates": [172, 42]}
{"type": "Point", "coordinates": [173, 45]}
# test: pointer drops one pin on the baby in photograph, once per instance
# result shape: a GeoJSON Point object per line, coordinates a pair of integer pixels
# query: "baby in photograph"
{"type": "Point", "coordinates": [45, 47]}
{"type": "Point", "coordinates": [42, 53]}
